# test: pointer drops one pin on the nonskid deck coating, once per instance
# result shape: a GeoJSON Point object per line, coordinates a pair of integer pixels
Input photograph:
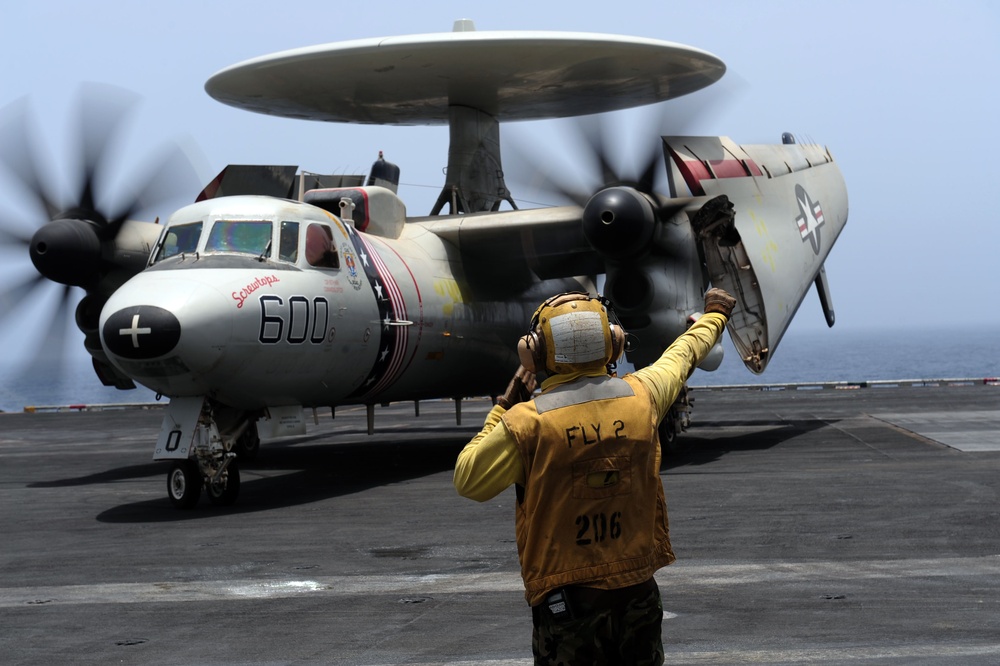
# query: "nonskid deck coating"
{"type": "Point", "coordinates": [810, 526]}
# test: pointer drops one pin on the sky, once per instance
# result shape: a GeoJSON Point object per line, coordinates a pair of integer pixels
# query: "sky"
{"type": "Point", "coordinates": [904, 93]}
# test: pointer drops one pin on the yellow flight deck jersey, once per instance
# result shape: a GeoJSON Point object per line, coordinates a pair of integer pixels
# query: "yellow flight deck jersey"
{"type": "Point", "coordinates": [586, 454]}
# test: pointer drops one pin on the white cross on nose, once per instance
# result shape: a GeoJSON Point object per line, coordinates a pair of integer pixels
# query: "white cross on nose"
{"type": "Point", "coordinates": [135, 331]}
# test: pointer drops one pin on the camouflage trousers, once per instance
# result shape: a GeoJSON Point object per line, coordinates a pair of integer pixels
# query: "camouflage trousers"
{"type": "Point", "coordinates": [606, 627]}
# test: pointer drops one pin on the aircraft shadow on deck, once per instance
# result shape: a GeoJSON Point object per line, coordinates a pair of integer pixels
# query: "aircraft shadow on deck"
{"type": "Point", "coordinates": [294, 472]}
{"type": "Point", "coordinates": [320, 466]}
{"type": "Point", "coordinates": [700, 446]}
{"type": "Point", "coordinates": [107, 476]}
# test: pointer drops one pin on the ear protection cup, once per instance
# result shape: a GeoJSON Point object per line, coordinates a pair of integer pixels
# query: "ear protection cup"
{"type": "Point", "coordinates": [531, 351]}
{"type": "Point", "coordinates": [617, 342]}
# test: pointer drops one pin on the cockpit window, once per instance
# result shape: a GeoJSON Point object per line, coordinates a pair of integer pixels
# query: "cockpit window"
{"type": "Point", "coordinates": [247, 237]}
{"type": "Point", "coordinates": [319, 247]}
{"type": "Point", "coordinates": [180, 239]}
{"type": "Point", "coordinates": [288, 242]}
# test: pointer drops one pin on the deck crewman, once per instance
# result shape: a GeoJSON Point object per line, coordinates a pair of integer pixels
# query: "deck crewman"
{"type": "Point", "coordinates": [584, 457]}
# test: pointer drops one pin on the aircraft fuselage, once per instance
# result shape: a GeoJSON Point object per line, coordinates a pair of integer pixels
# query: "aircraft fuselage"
{"type": "Point", "coordinates": [256, 302]}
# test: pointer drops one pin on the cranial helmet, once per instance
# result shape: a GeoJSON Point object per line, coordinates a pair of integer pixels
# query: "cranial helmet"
{"type": "Point", "coordinates": [571, 332]}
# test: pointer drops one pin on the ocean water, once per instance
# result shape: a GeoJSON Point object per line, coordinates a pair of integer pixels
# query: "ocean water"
{"type": "Point", "coordinates": [856, 355]}
{"type": "Point", "coordinates": [852, 355]}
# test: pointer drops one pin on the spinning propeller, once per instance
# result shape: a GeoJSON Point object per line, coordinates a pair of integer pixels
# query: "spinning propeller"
{"type": "Point", "coordinates": [620, 203]}
{"type": "Point", "coordinates": [73, 238]}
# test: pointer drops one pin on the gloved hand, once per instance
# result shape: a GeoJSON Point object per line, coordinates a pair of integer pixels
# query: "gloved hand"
{"type": "Point", "coordinates": [718, 300]}
{"type": "Point", "coordinates": [520, 388]}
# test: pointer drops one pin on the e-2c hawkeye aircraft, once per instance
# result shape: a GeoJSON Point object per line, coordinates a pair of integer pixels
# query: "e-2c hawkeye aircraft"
{"type": "Point", "coordinates": [278, 290]}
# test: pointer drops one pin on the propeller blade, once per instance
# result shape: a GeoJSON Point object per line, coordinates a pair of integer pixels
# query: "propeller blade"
{"type": "Point", "coordinates": [168, 178]}
{"type": "Point", "coordinates": [649, 169]}
{"type": "Point", "coordinates": [19, 157]}
{"type": "Point", "coordinates": [9, 236]}
{"type": "Point", "coordinates": [103, 112]}
{"type": "Point", "coordinates": [71, 239]}
{"type": "Point", "coordinates": [597, 139]}
{"type": "Point", "coordinates": [13, 296]}
{"type": "Point", "coordinates": [52, 348]}
{"type": "Point", "coordinates": [48, 359]}
{"type": "Point", "coordinates": [537, 173]}
{"type": "Point", "coordinates": [592, 132]}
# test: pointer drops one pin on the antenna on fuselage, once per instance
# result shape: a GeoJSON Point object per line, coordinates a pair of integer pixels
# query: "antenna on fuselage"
{"type": "Point", "coordinates": [384, 174]}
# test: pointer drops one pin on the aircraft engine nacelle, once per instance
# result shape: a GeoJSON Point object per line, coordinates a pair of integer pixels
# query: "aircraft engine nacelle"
{"type": "Point", "coordinates": [67, 251]}
{"type": "Point", "coordinates": [133, 244]}
{"type": "Point", "coordinates": [82, 250]}
{"type": "Point", "coordinates": [654, 295]}
{"type": "Point", "coordinates": [77, 252]}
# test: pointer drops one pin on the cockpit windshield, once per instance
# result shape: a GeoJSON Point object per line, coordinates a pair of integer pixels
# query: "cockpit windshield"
{"type": "Point", "coordinates": [252, 237]}
{"type": "Point", "coordinates": [180, 239]}
{"type": "Point", "coordinates": [244, 236]}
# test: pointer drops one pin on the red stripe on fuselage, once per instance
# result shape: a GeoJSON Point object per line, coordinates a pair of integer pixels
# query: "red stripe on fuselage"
{"type": "Point", "coordinates": [420, 307]}
{"type": "Point", "coordinates": [399, 310]}
{"type": "Point", "coordinates": [365, 222]}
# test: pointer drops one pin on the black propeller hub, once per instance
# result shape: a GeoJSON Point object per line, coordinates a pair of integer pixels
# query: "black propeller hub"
{"type": "Point", "coordinates": [68, 252]}
{"type": "Point", "coordinates": [619, 222]}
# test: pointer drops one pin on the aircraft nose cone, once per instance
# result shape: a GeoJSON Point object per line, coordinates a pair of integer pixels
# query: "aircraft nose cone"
{"type": "Point", "coordinates": [141, 332]}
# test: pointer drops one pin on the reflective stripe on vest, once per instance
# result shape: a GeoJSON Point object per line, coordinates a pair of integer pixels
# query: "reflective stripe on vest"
{"type": "Point", "coordinates": [583, 390]}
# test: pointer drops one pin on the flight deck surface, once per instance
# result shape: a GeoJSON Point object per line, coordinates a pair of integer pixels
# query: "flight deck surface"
{"type": "Point", "coordinates": [824, 526]}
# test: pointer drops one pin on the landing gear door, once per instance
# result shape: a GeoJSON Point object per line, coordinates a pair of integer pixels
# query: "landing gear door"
{"type": "Point", "coordinates": [180, 425]}
{"type": "Point", "coordinates": [284, 421]}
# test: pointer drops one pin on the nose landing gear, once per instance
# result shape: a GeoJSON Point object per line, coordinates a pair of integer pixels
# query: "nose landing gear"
{"type": "Point", "coordinates": [205, 441]}
{"type": "Point", "coordinates": [224, 487]}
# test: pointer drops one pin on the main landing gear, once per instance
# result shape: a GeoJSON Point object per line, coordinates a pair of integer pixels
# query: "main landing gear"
{"type": "Point", "coordinates": [677, 420]}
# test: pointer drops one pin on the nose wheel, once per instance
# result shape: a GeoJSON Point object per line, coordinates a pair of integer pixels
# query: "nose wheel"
{"type": "Point", "coordinates": [225, 490]}
{"type": "Point", "coordinates": [184, 484]}
{"type": "Point", "coordinates": [185, 481]}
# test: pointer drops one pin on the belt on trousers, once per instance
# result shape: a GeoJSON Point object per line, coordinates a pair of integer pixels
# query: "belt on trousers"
{"type": "Point", "coordinates": [584, 600]}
